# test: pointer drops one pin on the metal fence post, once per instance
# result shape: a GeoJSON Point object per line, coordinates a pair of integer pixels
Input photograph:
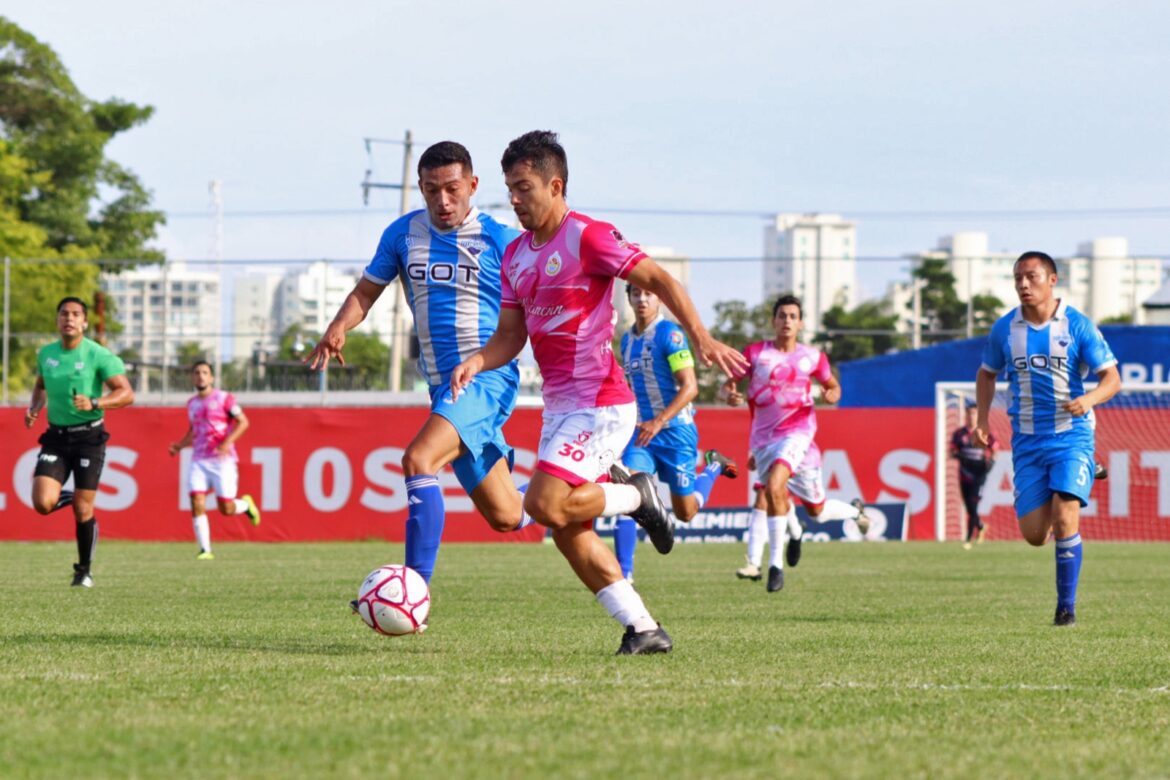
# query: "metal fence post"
{"type": "Point", "coordinates": [7, 301]}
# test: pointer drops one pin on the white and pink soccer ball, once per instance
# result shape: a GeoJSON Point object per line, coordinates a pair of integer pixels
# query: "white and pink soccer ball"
{"type": "Point", "coordinates": [394, 600]}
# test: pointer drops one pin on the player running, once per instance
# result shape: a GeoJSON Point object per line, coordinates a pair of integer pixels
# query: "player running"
{"type": "Point", "coordinates": [660, 368]}
{"type": "Point", "coordinates": [447, 257]}
{"type": "Point", "coordinates": [784, 423]}
{"type": "Point", "coordinates": [974, 463]}
{"type": "Point", "coordinates": [557, 288]}
{"type": "Point", "coordinates": [1047, 348]}
{"type": "Point", "coordinates": [216, 423]}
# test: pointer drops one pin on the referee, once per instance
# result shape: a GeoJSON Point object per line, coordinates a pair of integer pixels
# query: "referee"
{"type": "Point", "coordinates": [70, 378]}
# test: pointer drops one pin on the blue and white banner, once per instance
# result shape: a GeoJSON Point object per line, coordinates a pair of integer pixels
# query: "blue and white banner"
{"type": "Point", "coordinates": [887, 523]}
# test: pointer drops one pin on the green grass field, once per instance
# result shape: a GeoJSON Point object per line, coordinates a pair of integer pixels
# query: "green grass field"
{"type": "Point", "coordinates": [875, 660]}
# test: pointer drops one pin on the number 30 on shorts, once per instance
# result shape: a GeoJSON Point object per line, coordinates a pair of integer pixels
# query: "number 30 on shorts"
{"type": "Point", "coordinates": [569, 451]}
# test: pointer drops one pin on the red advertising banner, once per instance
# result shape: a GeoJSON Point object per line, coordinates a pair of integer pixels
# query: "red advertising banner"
{"type": "Point", "coordinates": [335, 473]}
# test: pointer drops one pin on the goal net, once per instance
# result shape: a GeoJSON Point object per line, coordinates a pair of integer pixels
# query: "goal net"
{"type": "Point", "coordinates": [1132, 442]}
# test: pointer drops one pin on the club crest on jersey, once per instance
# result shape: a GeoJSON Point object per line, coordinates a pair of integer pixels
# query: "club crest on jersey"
{"type": "Point", "coordinates": [805, 365]}
{"type": "Point", "coordinates": [1062, 341]}
{"type": "Point", "coordinates": [79, 365]}
{"type": "Point", "coordinates": [554, 264]}
{"type": "Point", "coordinates": [676, 338]}
{"type": "Point", "coordinates": [619, 238]}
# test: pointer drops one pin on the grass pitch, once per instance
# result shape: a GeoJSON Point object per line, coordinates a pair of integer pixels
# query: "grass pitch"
{"type": "Point", "coordinates": [875, 660]}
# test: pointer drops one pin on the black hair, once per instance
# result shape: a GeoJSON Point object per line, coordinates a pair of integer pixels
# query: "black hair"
{"type": "Point", "coordinates": [787, 299]}
{"type": "Point", "coordinates": [541, 150]}
{"type": "Point", "coordinates": [73, 299]}
{"type": "Point", "coordinates": [198, 363]}
{"type": "Point", "coordinates": [1043, 257]}
{"type": "Point", "coordinates": [445, 153]}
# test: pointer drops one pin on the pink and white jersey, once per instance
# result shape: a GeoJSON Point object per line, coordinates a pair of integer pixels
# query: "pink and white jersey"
{"type": "Point", "coordinates": [211, 422]}
{"type": "Point", "coordinates": [780, 390]}
{"type": "Point", "coordinates": [565, 289]}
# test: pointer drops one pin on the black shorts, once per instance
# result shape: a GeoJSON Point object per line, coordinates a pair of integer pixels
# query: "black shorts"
{"type": "Point", "coordinates": [80, 451]}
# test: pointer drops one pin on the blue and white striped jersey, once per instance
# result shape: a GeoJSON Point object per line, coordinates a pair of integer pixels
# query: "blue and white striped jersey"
{"type": "Point", "coordinates": [1046, 366]}
{"type": "Point", "coordinates": [452, 283]}
{"type": "Point", "coordinates": [650, 359]}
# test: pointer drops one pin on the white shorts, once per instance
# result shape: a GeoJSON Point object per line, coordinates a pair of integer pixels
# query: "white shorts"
{"type": "Point", "coordinates": [580, 446]}
{"type": "Point", "coordinates": [221, 475]}
{"type": "Point", "coordinates": [807, 484]}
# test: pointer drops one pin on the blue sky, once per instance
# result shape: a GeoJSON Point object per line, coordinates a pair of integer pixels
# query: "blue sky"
{"type": "Point", "coordinates": [847, 107]}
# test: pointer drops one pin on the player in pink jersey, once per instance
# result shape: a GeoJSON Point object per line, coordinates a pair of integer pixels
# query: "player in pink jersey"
{"type": "Point", "coordinates": [557, 290]}
{"type": "Point", "coordinates": [216, 423]}
{"type": "Point", "coordinates": [784, 423]}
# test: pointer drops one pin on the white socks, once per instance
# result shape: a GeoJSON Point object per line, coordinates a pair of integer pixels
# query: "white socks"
{"type": "Point", "coordinates": [795, 531]}
{"type": "Point", "coordinates": [777, 528]}
{"type": "Point", "coordinates": [619, 499]}
{"type": "Point", "coordinates": [757, 536]}
{"type": "Point", "coordinates": [240, 505]}
{"type": "Point", "coordinates": [625, 605]}
{"type": "Point", "coordinates": [836, 509]}
{"type": "Point", "coordinates": [202, 532]}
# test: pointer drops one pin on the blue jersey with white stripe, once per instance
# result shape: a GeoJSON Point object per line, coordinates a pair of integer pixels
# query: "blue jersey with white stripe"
{"type": "Point", "coordinates": [452, 283]}
{"type": "Point", "coordinates": [1046, 366]}
{"type": "Point", "coordinates": [650, 359]}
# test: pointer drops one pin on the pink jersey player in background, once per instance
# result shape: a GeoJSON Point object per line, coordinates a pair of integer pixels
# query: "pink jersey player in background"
{"type": "Point", "coordinates": [557, 289]}
{"type": "Point", "coordinates": [216, 423]}
{"type": "Point", "coordinates": [784, 423]}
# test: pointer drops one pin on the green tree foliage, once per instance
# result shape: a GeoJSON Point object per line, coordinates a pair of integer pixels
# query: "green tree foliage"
{"type": "Point", "coordinates": [873, 334]}
{"type": "Point", "coordinates": [944, 314]}
{"type": "Point", "coordinates": [62, 202]}
{"type": "Point", "coordinates": [738, 325]}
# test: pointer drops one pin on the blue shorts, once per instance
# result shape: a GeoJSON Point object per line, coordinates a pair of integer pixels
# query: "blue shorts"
{"type": "Point", "coordinates": [672, 455]}
{"type": "Point", "coordinates": [1048, 464]}
{"type": "Point", "coordinates": [479, 415]}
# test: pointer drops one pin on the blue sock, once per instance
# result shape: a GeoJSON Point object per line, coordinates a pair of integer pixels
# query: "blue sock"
{"type": "Point", "coordinates": [625, 539]}
{"type": "Point", "coordinates": [424, 523]}
{"type": "Point", "coordinates": [705, 481]}
{"type": "Point", "coordinates": [1068, 571]}
{"type": "Point", "coordinates": [525, 519]}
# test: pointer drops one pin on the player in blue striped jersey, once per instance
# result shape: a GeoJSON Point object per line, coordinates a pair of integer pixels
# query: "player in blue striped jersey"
{"type": "Point", "coordinates": [447, 258]}
{"type": "Point", "coordinates": [1047, 348]}
{"type": "Point", "coordinates": [657, 360]}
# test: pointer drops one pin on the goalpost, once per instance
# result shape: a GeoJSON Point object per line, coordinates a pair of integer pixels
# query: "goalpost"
{"type": "Point", "coordinates": [1132, 442]}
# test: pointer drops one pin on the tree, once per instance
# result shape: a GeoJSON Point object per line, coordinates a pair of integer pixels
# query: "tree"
{"type": "Point", "coordinates": [62, 202]}
{"type": "Point", "coordinates": [874, 334]}
{"type": "Point", "coordinates": [737, 325]}
{"type": "Point", "coordinates": [944, 315]}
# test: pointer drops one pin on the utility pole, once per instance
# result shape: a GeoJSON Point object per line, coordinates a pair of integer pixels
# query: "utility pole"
{"type": "Point", "coordinates": [399, 336]}
{"type": "Point", "coordinates": [215, 187]}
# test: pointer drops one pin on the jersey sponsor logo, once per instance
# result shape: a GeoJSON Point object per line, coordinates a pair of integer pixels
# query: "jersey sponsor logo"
{"type": "Point", "coordinates": [79, 365]}
{"type": "Point", "coordinates": [47, 458]}
{"type": "Point", "coordinates": [1040, 363]}
{"type": "Point", "coordinates": [52, 362]}
{"type": "Point", "coordinates": [441, 273]}
{"type": "Point", "coordinates": [554, 264]}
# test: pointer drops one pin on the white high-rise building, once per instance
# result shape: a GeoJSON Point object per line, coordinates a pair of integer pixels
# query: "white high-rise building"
{"type": "Point", "coordinates": [163, 306]}
{"type": "Point", "coordinates": [977, 269]}
{"type": "Point", "coordinates": [813, 256]}
{"type": "Point", "coordinates": [254, 314]}
{"type": "Point", "coordinates": [1104, 282]}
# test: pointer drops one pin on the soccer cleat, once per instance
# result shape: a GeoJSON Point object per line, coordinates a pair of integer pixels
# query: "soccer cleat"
{"type": "Point", "coordinates": [64, 499]}
{"type": "Point", "coordinates": [1064, 617]}
{"type": "Point", "coordinates": [205, 555]}
{"type": "Point", "coordinates": [81, 578]}
{"type": "Point", "coordinates": [730, 470]}
{"type": "Point", "coordinates": [862, 519]}
{"type": "Point", "coordinates": [966, 545]}
{"type": "Point", "coordinates": [792, 552]}
{"type": "Point", "coordinates": [353, 605]}
{"type": "Point", "coordinates": [651, 514]}
{"type": "Point", "coordinates": [253, 512]}
{"type": "Point", "coordinates": [775, 579]}
{"type": "Point", "coordinates": [656, 640]}
{"type": "Point", "coordinates": [1099, 471]}
{"type": "Point", "coordinates": [979, 536]}
{"type": "Point", "coordinates": [749, 572]}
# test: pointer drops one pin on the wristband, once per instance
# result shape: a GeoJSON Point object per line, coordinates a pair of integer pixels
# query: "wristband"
{"type": "Point", "coordinates": [93, 399]}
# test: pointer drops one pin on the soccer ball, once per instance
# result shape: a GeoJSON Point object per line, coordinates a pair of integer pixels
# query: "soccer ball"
{"type": "Point", "coordinates": [394, 600]}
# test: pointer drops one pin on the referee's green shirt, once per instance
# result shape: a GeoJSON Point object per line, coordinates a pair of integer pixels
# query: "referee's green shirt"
{"type": "Point", "coordinates": [66, 373]}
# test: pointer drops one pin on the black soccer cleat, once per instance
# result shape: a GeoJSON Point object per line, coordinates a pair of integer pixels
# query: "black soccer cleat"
{"type": "Point", "coordinates": [64, 499]}
{"type": "Point", "coordinates": [775, 579]}
{"type": "Point", "coordinates": [81, 578]}
{"type": "Point", "coordinates": [651, 514]}
{"type": "Point", "coordinates": [1064, 617]}
{"type": "Point", "coordinates": [792, 552]}
{"type": "Point", "coordinates": [353, 605]}
{"type": "Point", "coordinates": [656, 640]}
{"type": "Point", "coordinates": [1099, 471]}
{"type": "Point", "coordinates": [730, 470]}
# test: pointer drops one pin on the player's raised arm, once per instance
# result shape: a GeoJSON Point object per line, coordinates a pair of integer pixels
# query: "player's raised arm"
{"type": "Point", "coordinates": [353, 310]}
{"type": "Point", "coordinates": [648, 275]}
{"type": "Point", "coordinates": [984, 393]}
{"type": "Point", "coordinates": [504, 345]}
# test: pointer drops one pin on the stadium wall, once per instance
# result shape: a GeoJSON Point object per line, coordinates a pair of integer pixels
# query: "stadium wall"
{"type": "Point", "coordinates": [334, 473]}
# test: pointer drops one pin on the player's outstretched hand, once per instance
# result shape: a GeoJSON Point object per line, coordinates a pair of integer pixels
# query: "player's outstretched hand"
{"type": "Point", "coordinates": [173, 449]}
{"type": "Point", "coordinates": [1077, 407]}
{"type": "Point", "coordinates": [832, 394]}
{"type": "Point", "coordinates": [981, 437]}
{"type": "Point", "coordinates": [328, 347]}
{"type": "Point", "coordinates": [463, 373]}
{"type": "Point", "coordinates": [647, 431]}
{"type": "Point", "coordinates": [727, 359]}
